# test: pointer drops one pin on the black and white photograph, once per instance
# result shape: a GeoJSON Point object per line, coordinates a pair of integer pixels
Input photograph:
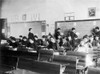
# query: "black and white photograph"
{"type": "Point", "coordinates": [49, 36]}
{"type": "Point", "coordinates": [92, 12]}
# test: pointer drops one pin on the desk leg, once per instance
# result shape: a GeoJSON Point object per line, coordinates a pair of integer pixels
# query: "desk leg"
{"type": "Point", "coordinates": [17, 63]}
{"type": "Point", "coordinates": [23, 72]}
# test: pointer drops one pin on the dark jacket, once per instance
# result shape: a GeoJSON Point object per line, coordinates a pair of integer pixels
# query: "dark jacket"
{"type": "Point", "coordinates": [31, 36]}
{"type": "Point", "coordinates": [56, 34]}
{"type": "Point", "coordinates": [73, 35]}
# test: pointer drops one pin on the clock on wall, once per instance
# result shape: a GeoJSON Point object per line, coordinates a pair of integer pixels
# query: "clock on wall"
{"type": "Point", "coordinates": [92, 12]}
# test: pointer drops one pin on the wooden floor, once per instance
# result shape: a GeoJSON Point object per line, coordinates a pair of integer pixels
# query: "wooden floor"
{"type": "Point", "coordinates": [21, 71]}
{"type": "Point", "coordinates": [93, 70]}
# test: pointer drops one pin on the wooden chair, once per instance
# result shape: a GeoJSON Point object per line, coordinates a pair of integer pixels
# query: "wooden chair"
{"type": "Point", "coordinates": [81, 64]}
{"type": "Point", "coordinates": [8, 64]}
{"type": "Point", "coordinates": [68, 63]}
{"type": "Point", "coordinates": [45, 55]}
{"type": "Point", "coordinates": [39, 66]}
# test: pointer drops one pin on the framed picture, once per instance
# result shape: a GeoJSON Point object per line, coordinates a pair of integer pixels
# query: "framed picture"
{"type": "Point", "coordinates": [92, 12]}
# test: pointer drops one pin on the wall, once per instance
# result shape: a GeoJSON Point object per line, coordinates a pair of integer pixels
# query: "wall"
{"type": "Point", "coordinates": [1, 2]}
{"type": "Point", "coordinates": [49, 10]}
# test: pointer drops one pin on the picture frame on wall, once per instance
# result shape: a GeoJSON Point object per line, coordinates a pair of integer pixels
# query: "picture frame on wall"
{"type": "Point", "coordinates": [92, 12]}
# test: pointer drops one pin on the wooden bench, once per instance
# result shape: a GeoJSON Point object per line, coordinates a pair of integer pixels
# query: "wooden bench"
{"type": "Point", "coordinates": [93, 70]}
{"type": "Point", "coordinates": [68, 62]}
{"type": "Point", "coordinates": [80, 56]}
{"type": "Point", "coordinates": [96, 56]}
{"type": "Point", "coordinates": [45, 55]}
{"type": "Point", "coordinates": [39, 66]}
{"type": "Point", "coordinates": [24, 54]}
{"type": "Point", "coordinates": [8, 64]}
{"type": "Point", "coordinates": [22, 48]}
{"type": "Point", "coordinates": [81, 64]}
{"type": "Point", "coordinates": [9, 60]}
{"type": "Point", "coordinates": [64, 59]}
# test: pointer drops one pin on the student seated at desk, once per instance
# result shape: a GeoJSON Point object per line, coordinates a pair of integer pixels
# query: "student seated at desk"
{"type": "Point", "coordinates": [85, 45]}
{"type": "Point", "coordinates": [66, 44]}
{"type": "Point", "coordinates": [96, 42]}
{"type": "Point", "coordinates": [12, 42]}
{"type": "Point", "coordinates": [31, 44]}
{"type": "Point", "coordinates": [44, 41]}
{"type": "Point", "coordinates": [20, 39]}
{"type": "Point", "coordinates": [24, 41]}
{"type": "Point", "coordinates": [52, 43]}
{"type": "Point", "coordinates": [4, 44]}
{"type": "Point", "coordinates": [37, 42]}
